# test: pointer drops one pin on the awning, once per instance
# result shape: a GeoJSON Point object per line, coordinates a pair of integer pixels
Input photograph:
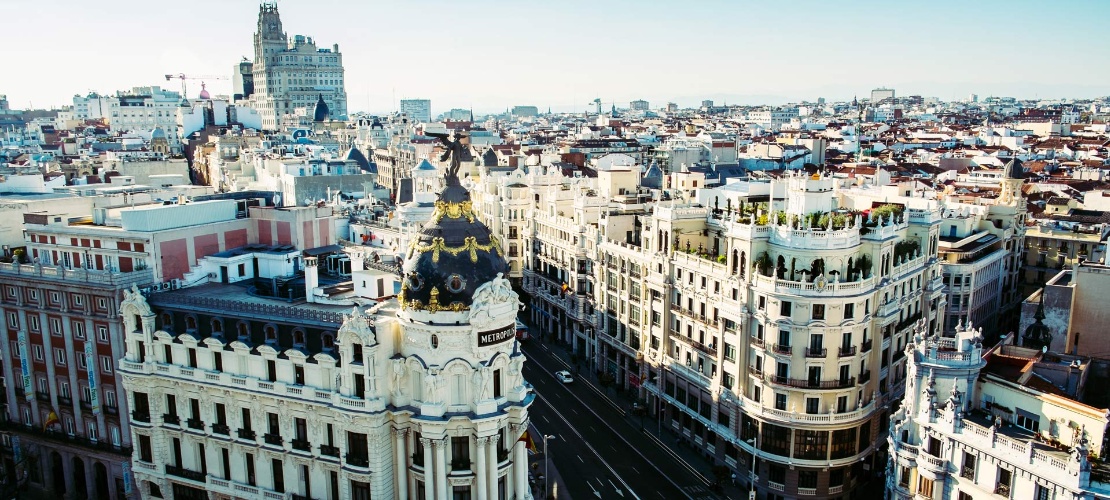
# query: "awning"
{"type": "Point", "coordinates": [313, 252]}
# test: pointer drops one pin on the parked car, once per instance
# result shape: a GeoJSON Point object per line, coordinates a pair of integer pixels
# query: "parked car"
{"type": "Point", "coordinates": [564, 376]}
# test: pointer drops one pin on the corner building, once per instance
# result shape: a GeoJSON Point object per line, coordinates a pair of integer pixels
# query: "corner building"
{"type": "Point", "coordinates": [774, 329]}
{"type": "Point", "coordinates": [419, 396]}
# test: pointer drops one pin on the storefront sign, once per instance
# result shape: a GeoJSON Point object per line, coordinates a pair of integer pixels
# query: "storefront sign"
{"type": "Point", "coordinates": [496, 336]}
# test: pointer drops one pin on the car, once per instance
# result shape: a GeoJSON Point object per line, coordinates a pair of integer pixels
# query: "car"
{"type": "Point", "coordinates": [564, 376]}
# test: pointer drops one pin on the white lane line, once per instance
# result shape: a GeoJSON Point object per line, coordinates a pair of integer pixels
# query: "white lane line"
{"type": "Point", "coordinates": [589, 447]}
{"type": "Point", "coordinates": [580, 458]}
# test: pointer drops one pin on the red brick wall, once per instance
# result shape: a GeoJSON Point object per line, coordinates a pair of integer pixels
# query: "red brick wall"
{"type": "Point", "coordinates": [235, 239]}
{"type": "Point", "coordinates": [283, 237]}
{"type": "Point", "coordinates": [205, 244]}
{"type": "Point", "coordinates": [309, 241]}
{"type": "Point", "coordinates": [175, 258]}
{"type": "Point", "coordinates": [264, 236]}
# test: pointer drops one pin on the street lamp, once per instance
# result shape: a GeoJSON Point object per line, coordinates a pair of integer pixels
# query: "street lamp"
{"type": "Point", "coordinates": [754, 441]}
{"type": "Point", "coordinates": [546, 460]}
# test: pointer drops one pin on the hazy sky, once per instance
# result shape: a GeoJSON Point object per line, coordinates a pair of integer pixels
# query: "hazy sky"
{"type": "Point", "coordinates": [563, 54]}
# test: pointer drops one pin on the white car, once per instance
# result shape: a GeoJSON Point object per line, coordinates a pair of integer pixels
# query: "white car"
{"type": "Point", "coordinates": [564, 376]}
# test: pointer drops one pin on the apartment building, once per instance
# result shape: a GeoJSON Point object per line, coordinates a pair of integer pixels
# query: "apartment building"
{"type": "Point", "coordinates": [1001, 422]}
{"type": "Point", "coordinates": [418, 396]}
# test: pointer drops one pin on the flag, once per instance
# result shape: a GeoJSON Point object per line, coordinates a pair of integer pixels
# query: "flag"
{"type": "Point", "coordinates": [528, 442]}
{"type": "Point", "coordinates": [51, 419]}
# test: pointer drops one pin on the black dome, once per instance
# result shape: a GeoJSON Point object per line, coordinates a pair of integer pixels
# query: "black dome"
{"type": "Point", "coordinates": [322, 113]}
{"type": "Point", "coordinates": [453, 255]}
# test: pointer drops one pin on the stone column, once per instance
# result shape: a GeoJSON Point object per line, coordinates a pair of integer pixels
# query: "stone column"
{"type": "Point", "coordinates": [67, 472]}
{"type": "Point", "coordinates": [90, 478]}
{"type": "Point", "coordinates": [492, 467]}
{"type": "Point", "coordinates": [429, 478]}
{"type": "Point", "coordinates": [441, 468]}
{"type": "Point", "coordinates": [520, 469]}
{"type": "Point", "coordinates": [400, 468]}
{"type": "Point", "coordinates": [481, 487]}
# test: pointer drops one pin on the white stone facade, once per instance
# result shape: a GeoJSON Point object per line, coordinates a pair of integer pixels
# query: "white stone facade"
{"type": "Point", "coordinates": [405, 404]}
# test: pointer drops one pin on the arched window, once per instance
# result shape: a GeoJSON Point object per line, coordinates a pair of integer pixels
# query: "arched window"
{"type": "Point", "coordinates": [298, 338]}
{"type": "Point", "coordinates": [167, 322]}
{"type": "Point", "coordinates": [190, 323]}
{"type": "Point", "coordinates": [217, 327]}
{"type": "Point", "coordinates": [328, 341]}
{"type": "Point", "coordinates": [743, 264]}
{"type": "Point", "coordinates": [271, 334]}
{"type": "Point", "coordinates": [244, 331]}
{"type": "Point", "coordinates": [734, 260]}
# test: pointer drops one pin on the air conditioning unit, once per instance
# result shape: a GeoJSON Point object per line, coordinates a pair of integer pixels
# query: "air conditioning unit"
{"type": "Point", "coordinates": [212, 276]}
{"type": "Point", "coordinates": [165, 286]}
{"type": "Point", "coordinates": [175, 284]}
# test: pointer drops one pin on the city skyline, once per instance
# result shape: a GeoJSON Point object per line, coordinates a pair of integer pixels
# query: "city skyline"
{"type": "Point", "coordinates": [563, 61]}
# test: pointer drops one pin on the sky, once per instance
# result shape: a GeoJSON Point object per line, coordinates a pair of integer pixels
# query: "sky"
{"type": "Point", "coordinates": [491, 55]}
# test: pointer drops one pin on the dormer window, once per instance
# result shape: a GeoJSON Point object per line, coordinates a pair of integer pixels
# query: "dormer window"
{"type": "Point", "coordinates": [167, 322]}
{"type": "Point", "coordinates": [271, 334]}
{"type": "Point", "coordinates": [244, 331]}
{"type": "Point", "coordinates": [298, 338]}
{"type": "Point", "coordinates": [455, 283]}
{"type": "Point", "coordinates": [328, 341]}
{"type": "Point", "coordinates": [435, 341]}
{"type": "Point", "coordinates": [190, 323]}
{"type": "Point", "coordinates": [217, 328]}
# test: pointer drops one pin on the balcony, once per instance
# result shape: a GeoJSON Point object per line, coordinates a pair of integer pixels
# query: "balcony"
{"type": "Point", "coordinates": [247, 434]}
{"type": "Point", "coordinates": [195, 423]}
{"type": "Point", "coordinates": [782, 349]}
{"type": "Point", "coordinates": [1002, 489]}
{"type": "Point", "coordinates": [848, 351]}
{"type": "Point", "coordinates": [866, 347]}
{"type": "Point", "coordinates": [757, 342]}
{"type": "Point", "coordinates": [65, 400]}
{"type": "Point", "coordinates": [755, 371]}
{"type": "Point", "coordinates": [169, 419]}
{"type": "Point", "coordinates": [460, 465]}
{"type": "Point", "coordinates": [42, 396]}
{"type": "Point", "coordinates": [185, 473]}
{"type": "Point", "coordinates": [802, 383]}
{"type": "Point", "coordinates": [967, 473]}
{"type": "Point", "coordinates": [140, 416]}
{"type": "Point", "coordinates": [816, 352]}
{"type": "Point", "coordinates": [272, 439]}
{"type": "Point", "coordinates": [302, 445]}
{"type": "Point", "coordinates": [221, 429]}
{"type": "Point", "coordinates": [329, 450]}
{"type": "Point", "coordinates": [865, 377]}
{"type": "Point", "coordinates": [358, 460]}
{"type": "Point", "coordinates": [62, 437]}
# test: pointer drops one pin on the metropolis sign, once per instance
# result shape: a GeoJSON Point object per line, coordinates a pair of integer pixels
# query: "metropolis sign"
{"type": "Point", "coordinates": [496, 336]}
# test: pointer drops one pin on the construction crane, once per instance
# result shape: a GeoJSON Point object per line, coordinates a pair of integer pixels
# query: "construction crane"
{"type": "Point", "coordinates": [183, 77]}
{"type": "Point", "coordinates": [598, 103]}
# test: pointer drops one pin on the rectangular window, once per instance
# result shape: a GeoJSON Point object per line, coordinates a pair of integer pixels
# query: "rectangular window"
{"type": "Point", "coordinates": [249, 461]}
{"type": "Point", "coordinates": [1028, 421]}
{"type": "Point", "coordinates": [849, 310]}
{"type": "Point", "coordinates": [818, 311]}
{"type": "Point", "coordinates": [59, 357]}
{"type": "Point", "coordinates": [38, 352]}
{"type": "Point", "coordinates": [924, 486]}
{"type": "Point", "coordinates": [968, 469]}
{"type": "Point", "coordinates": [784, 308]}
{"type": "Point", "coordinates": [106, 364]}
{"type": "Point", "coordinates": [78, 330]}
{"type": "Point", "coordinates": [278, 472]}
{"type": "Point", "coordinates": [730, 352]}
{"type": "Point", "coordinates": [145, 452]}
{"type": "Point", "coordinates": [813, 406]}
{"type": "Point", "coordinates": [1003, 485]}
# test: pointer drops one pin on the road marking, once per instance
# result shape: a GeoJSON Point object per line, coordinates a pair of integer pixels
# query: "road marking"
{"type": "Point", "coordinates": [580, 458]}
{"type": "Point", "coordinates": [619, 492]}
{"type": "Point", "coordinates": [634, 470]}
{"type": "Point", "coordinates": [575, 411]}
{"type": "Point", "coordinates": [591, 448]}
{"type": "Point", "coordinates": [544, 417]}
{"type": "Point", "coordinates": [598, 493]}
{"type": "Point", "coordinates": [688, 467]}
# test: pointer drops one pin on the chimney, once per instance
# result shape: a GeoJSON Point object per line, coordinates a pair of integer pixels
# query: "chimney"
{"type": "Point", "coordinates": [311, 278]}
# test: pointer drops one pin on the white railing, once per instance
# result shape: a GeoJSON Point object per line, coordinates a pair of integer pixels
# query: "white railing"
{"type": "Point", "coordinates": [771, 283]}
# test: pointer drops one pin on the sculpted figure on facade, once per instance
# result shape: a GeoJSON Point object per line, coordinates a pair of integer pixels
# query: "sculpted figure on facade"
{"type": "Point", "coordinates": [397, 385]}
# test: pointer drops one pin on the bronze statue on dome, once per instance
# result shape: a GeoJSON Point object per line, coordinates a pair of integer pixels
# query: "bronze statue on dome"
{"type": "Point", "coordinates": [456, 150]}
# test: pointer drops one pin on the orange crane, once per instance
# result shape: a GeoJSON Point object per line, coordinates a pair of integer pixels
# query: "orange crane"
{"type": "Point", "coordinates": [183, 77]}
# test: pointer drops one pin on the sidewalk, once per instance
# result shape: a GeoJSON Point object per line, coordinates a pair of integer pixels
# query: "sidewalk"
{"type": "Point", "coordinates": [667, 439]}
{"type": "Point", "coordinates": [536, 467]}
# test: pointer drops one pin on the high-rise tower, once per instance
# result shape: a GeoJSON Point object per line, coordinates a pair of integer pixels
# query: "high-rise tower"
{"type": "Point", "coordinates": [293, 73]}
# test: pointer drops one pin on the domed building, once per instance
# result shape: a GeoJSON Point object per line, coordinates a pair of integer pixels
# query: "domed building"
{"type": "Point", "coordinates": [420, 396]}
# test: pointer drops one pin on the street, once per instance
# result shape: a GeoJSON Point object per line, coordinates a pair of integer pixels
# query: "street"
{"type": "Point", "coordinates": [599, 450]}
